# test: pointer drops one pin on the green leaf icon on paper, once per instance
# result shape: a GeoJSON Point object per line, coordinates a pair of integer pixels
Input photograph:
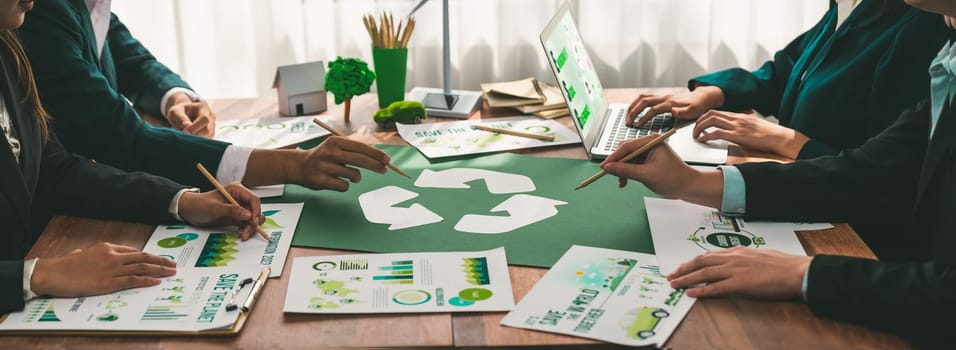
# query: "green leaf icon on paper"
{"type": "Point", "coordinates": [270, 223]}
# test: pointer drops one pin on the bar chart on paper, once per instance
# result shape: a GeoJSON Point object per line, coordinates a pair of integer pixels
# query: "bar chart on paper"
{"type": "Point", "coordinates": [399, 272]}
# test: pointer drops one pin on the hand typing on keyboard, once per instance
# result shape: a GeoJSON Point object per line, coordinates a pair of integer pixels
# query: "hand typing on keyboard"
{"type": "Point", "coordinates": [751, 132]}
{"type": "Point", "coordinates": [658, 125]}
{"type": "Point", "coordinates": [686, 106]}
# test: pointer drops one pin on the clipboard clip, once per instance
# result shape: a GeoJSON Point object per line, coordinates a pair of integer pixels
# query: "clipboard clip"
{"type": "Point", "coordinates": [253, 293]}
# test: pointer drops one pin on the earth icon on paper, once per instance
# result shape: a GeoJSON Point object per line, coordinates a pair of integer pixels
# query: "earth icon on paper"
{"type": "Point", "coordinates": [379, 205]}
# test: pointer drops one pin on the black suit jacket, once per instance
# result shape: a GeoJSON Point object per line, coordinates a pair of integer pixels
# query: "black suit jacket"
{"type": "Point", "coordinates": [49, 180]}
{"type": "Point", "coordinates": [88, 95]}
{"type": "Point", "coordinates": [899, 191]}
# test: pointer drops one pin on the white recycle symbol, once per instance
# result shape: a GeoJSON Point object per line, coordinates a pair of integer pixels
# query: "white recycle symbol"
{"type": "Point", "coordinates": [523, 209]}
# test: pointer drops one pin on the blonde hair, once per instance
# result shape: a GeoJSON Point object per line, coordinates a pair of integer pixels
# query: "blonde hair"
{"type": "Point", "coordinates": [25, 77]}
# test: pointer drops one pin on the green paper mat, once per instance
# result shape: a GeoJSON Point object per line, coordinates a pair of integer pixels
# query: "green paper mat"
{"type": "Point", "coordinates": [600, 215]}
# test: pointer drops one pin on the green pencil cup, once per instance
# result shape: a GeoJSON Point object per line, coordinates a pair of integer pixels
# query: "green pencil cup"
{"type": "Point", "coordinates": [389, 74]}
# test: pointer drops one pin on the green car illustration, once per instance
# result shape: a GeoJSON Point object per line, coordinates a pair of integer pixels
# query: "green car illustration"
{"type": "Point", "coordinates": [641, 322]}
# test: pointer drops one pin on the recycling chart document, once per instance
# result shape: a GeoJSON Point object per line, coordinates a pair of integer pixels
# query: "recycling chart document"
{"type": "Point", "coordinates": [269, 132]}
{"type": "Point", "coordinates": [611, 295]}
{"type": "Point", "coordinates": [684, 230]}
{"type": "Point", "coordinates": [450, 139]}
{"type": "Point", "coordinates": [207, 247]}
{"type": "Point", "coordinates": [400, 283]}
{"type": "Point", "coordinates": [192, 300]}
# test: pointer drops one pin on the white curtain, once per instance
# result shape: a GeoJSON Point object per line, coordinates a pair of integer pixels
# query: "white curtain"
{"type": "Point", "coordinates": [230, 48]}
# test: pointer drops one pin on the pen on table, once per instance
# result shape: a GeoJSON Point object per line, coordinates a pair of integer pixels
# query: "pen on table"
{"type": "Point", "coordinates": [515, 133]}
{"type": "Point", "coordinates": [222, 190]}
{"type": "Point", "coordinates": [263, 274]}
{"type": "Point", "coordinates": [634, 154]}
{"type": "Point", "coordinates": [231, 305]}
{"type": "Point", "coordinates": [338, 133]}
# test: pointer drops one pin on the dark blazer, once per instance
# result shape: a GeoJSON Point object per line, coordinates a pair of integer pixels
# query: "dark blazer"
{"type": "Point", "coordinates": [841, 87]}
{"type": "Point", "coordinates": [49, 180]}
{"type": "Point", "coordinates": [87, 95]}
{"type": "Point", "coordinates": [899, 191]}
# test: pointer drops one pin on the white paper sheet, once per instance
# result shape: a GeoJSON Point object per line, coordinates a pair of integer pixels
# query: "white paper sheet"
{"type": "Point", "coordinates": [268, 191]}
{"type": "Point", "coordinates": [451, 139]}
{"type": "Point", "coordinates": [611, 295]}
{"type": "Point", "coordinates": [400, 283]}
{"type": "Point", "coordinates": [270, 132]}
{"type": "Point", "coordinates": [192, 300]}
{"type": "Point", "coordinates": [684, 230]}
{"type": "Point", "coordinates": [206, 247]}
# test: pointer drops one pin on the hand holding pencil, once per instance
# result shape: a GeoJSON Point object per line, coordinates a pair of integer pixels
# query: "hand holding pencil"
{"type": "Point", "coordinates": [335, 132]}
{"type": "Point", "coordinates": [233, 204]}
{"type": "Point", "coordinates": [658, 169]}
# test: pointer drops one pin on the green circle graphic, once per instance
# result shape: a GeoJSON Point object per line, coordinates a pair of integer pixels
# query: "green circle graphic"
{"type": "Point", "coordinates": [475, 294]}
{"type": "Point", "coordinates": [171, 242]}
{"type": "Point", "coordinates": [188, 236]}
{"type": "Point", "coordinates": [539, 129]}
{"type": "Point", "coordinates": [728, 239]}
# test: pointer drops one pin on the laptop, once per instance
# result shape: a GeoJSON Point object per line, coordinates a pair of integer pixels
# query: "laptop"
{"type": "Point", "coordinates": [602, 125]}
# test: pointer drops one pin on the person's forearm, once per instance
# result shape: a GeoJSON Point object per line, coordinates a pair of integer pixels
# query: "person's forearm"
{"type": "Point", "coordinates": [706, 189]}
{"type": "Point", "coordinates": [711, 96]}
{"type": "Point", "coordinates": [273, 166]}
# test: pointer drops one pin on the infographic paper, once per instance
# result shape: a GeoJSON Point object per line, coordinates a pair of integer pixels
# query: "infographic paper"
{"type": "Point", "coordinates": [400, 283]}
{"type": "Point", "coordinates": [682, 230]}
{"type": "Point", "coordinates": [451, 139]}
{"type": "Point", "coordinates": [192, 300]}
{"type": "Point", "coordinates": [270, 132]}
{"type": "Point", "coordinates": [209, 247]}
{"type": "Point", "coordinates": [611, 295]}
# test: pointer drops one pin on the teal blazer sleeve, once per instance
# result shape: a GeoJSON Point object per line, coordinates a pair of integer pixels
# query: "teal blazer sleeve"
{"type": "Point", "coordinates": [139, 75]}
{"type": "Point", "coordinates": [763, 89]}
{"type": "Point", "coordinates": [91, 116]}
{"type": "Point", "coordinates": [841, 87]}
{"type": "Point", "coordinates": [916, 300]}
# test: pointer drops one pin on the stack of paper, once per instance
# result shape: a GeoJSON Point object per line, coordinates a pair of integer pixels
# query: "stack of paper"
{"type": "Point", "coordinates": [529, 96]}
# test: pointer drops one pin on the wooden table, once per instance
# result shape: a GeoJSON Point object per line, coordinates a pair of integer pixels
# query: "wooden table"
{"type": "Point", "coordinates": [722, 323]}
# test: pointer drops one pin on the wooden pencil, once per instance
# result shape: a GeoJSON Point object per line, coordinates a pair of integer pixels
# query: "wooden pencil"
{"type": "Point", "coordinates": [515, 133]}
{"type": "Point", "coordinates": [224, 193]}
{"type": "Point", "coordinates": [636, 153]}
{"type": "Point", "coordinates": [408, 32]}
{"type": "Point", "coordinates": [335, 132]}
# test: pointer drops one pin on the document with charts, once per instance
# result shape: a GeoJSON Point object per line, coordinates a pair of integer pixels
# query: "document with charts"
{"type": "Point", "coordinates": [611, 295]}
{"type": "Point", "coordinates": [270, 132]}
{"type": "Point", "coordinates": [209, 247]}
{"type": "Point", "coordinates": [682, 230]}
{"type": "Point", "coordinates": [193, 300]}
{"type": "Point", "coordinates": [400, 283]}
{"type": "Point", "coordinates": [451, 139]}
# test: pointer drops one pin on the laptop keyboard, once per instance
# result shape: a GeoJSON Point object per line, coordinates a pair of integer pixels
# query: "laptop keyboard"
{"type": "Point", "coordinates": [620, 132]}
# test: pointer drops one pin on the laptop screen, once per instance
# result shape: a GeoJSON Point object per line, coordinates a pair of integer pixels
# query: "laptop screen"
{"type": "Point", "coordinates": [574, 72]}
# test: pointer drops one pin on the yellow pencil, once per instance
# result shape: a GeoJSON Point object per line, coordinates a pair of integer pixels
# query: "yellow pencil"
{"type": "Point", "coordinates": [222, 190]}
{"type": "Point", "coordinates": [515, 133]}
{"type": "Point", "coordinates": [338, 133]}
{"type": "Point", "coordinates": [636, 153]}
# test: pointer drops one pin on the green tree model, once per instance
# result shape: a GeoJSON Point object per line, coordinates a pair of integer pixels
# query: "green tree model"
{"type": "Point", "coordinates": [346, 78]}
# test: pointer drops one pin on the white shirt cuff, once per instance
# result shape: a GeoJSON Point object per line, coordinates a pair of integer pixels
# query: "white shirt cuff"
{"type": "Point", "coordinates": [169, 93]}
{"type": "Point", "coordinates": [805, 284]}
{"type": "Point", "coordinates": [734, 201]}
{"type": "Point", "coordinates": [28, 267]}
{"type": "Point", "coordinates": [232, 165]}
{"type": "Point", "coordinates": [174, 204]}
